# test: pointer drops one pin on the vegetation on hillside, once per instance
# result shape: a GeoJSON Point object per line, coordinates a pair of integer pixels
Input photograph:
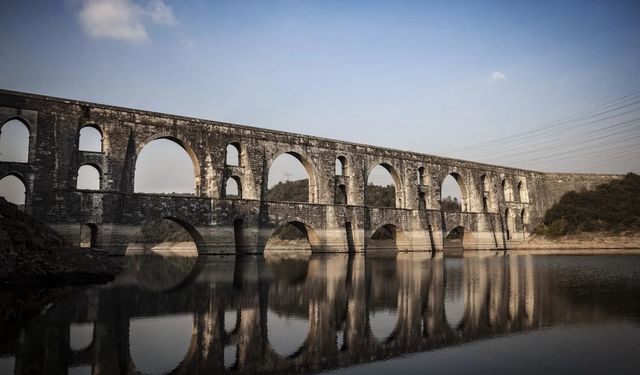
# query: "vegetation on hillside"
{"type": "Point", "coordinates": [289, 191]}
{"type": "Point", "coordinates": [612, 207]}
{"type": "Point", "coordinates": [450, 204]}
{"type": "Point", "coordinates": [380, 196]}
{"type": "Point", "coordinates": [298, 191]}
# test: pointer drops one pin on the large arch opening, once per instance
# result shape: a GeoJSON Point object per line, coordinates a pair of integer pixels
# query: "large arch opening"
{"type": "Point", "coordinates": [158, 345]}
{"type": "Point", "coordinates": [387, 237]}
{"type": "Point", "coordinates": [88, 178]}
{"type": "Point", "coordinates": [383, 185]}
{"type": "Point", "coordinates": [291, 179]}
{"type": "Point", "coordinates": [451, 196]}
{"type": "Point", "coordinates": [14, 141]}
{"type": "Point", "coordinates": [90, 139]}
{"type": "Point", "coordinates": [454, 291]}
{"type": "Point", "coordinates": [13, 189]}
{"type": "Point", "coordinates": [88, 236]}
{"type": "Point", "coordinates": [166, 166]}
{"type": "Point", "coordinates": [292, 236]}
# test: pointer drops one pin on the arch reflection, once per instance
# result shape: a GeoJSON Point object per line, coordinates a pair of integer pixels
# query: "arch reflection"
{"type": "Point", "coordinates": [158, 345]}
{"type": "Point", "coordinates": [251, 315]}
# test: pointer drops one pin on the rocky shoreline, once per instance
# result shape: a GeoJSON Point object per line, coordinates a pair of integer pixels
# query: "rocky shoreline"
{"type": "Point", "coordinates": [33, 253]}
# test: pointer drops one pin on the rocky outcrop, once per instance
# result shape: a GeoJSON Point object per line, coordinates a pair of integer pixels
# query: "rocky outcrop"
{"type": "Point", "coordinates": [32, 252]}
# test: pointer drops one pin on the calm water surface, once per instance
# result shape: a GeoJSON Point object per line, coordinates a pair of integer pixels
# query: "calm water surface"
{"type": "Point", "coordinates": [343, 314]}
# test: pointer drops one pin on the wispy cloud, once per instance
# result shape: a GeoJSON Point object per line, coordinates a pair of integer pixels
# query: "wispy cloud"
{"type": "Point", "coordinates": [497, 76]}
{"type": "Point", "coordinates": [123, 19]}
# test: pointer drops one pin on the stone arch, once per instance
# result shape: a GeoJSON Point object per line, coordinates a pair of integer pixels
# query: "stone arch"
{"type": "Point", "coordinates": [171, 137]}
{"type": "Point", "coordinates": [195, 235]}
{"type": "Point", "coordinates": [464, 190]}
{"type": "Point", "coordinates": [397, 181]}
{"type": "Point", "coordinates": [86, 179]}
{"type": "Point", "coordinates": [14, 196]}
{"type": "Point", "coordinates": [236, 187]}
{"type": "Point", "coordinates": [89, 235]}
{"type": "Point", "coordinates": [84, 142]}
{"type": "Point", "coordinates": [22, 146]}
{"type": "Point", "coordinates": [464, 238]}
{"type": "Point", "coordinates": [233, 154]}
{"type": "Point", "coordinates": [313, 239]}
{"type": "Point", "coordinates": [422, 194]}
{"type": "Point", "coordinates": [309, 168]}
{"type": "Point", "coordinates": [387, 236]}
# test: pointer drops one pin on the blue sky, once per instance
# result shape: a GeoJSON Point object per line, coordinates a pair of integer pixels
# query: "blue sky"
{"type": "Point", "coordinates": [426, 76]}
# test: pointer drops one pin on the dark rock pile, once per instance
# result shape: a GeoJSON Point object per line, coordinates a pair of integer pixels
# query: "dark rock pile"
{"type": "Point", "coordinates": [32, 252]}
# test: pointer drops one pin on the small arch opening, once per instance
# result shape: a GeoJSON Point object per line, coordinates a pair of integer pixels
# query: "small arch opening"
{"type": "Point", "coordinates": [232, 157]}
{"type": "Point", "coordinates": [381, 189]}
{"type": "Point", "coordinates": [420, 176]}
{"type": "Point", "coordinates": [507, 191]}
{"type": "Point", "coordinates": [233, 188]}
{"type": "Point", "coordinates": [88, 236]}
{"type": "Point", "coordinates": [90, 139]}
{"type": "Point", "coordinates": [88, 178]}
{"type": "Point", "coordinates": [13, 189]}
{"type": "Point", "coordinates": [14, 141]}
{"type": "Point", "coordinates": [341, 166]}
{"type": "Point", "coordinates": [523, 194]}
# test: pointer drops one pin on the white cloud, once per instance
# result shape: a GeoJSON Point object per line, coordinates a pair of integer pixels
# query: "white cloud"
{"type": "Point", "coordinates": [161, 13]}
{"type": "Point", "coordinates": [123, 19]}
{"type": "Point", "coordinates": [497, 76]}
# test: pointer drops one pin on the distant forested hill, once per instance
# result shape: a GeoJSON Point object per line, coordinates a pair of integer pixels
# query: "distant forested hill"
{"type": "Point", "coordinates": [289, 191]}
{"type": "Point", "coordinates": [611, 207]}
{"type": "Point", "coordinates": [298, 191]}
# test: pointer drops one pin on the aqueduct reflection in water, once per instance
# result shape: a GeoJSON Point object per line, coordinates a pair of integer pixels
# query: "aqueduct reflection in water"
{"type": "Point", "coordinates": [256, 315]}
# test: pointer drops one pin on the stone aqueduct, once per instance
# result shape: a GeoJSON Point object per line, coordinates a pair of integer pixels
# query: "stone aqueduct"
{"type": "Point", "coordinates": [500, 205]}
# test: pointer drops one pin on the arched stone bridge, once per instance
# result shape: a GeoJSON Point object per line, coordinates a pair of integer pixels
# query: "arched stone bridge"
{"type": "Point", "coordinates": [499, 204]}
